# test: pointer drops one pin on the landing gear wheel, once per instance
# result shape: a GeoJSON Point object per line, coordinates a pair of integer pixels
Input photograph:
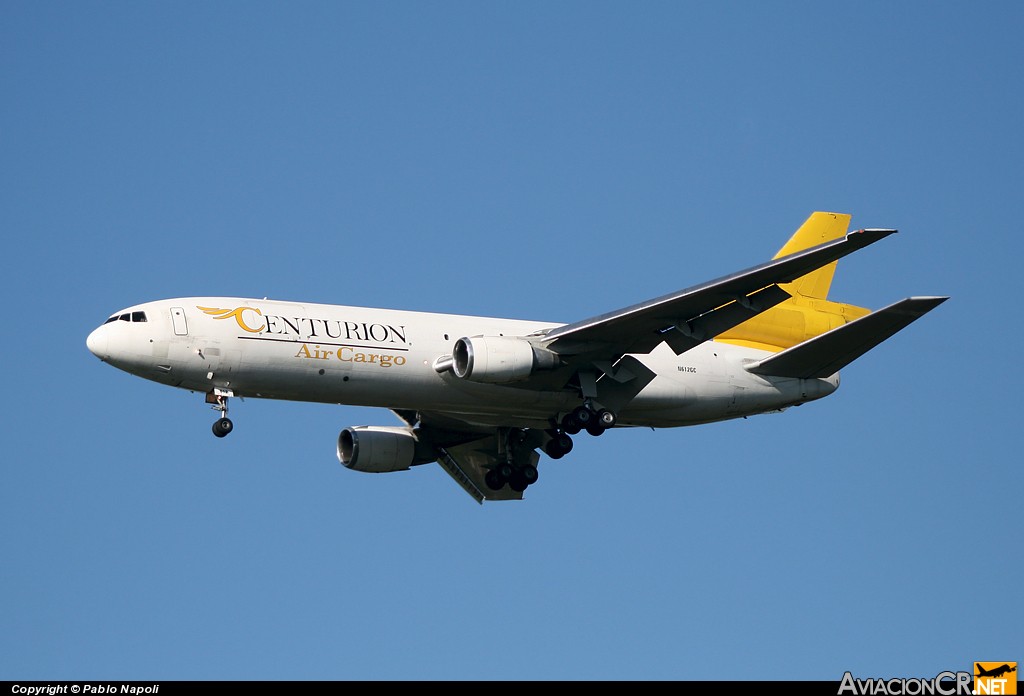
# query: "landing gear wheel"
{"type": "Point", "coordinates": [606, 418]}
{"type": "Point", "coordinates": [558, 446]}
{"type": "Point", "coordinates": [564, 443]}
{"type": "Point", "coordinates": [582, 415]}
{"type": "Point", "coordinates": [569, 425]}
{"type": "Point", "coordinates": [530, 474]}
{"type": "Point", "coordinates": [222, 427]}
{"type": "Point", "coordinates": [518, 482]}
{"type": "Point", "coordinates": [595, 428]}
{"type": "Point", "coordinates": [494, 480]}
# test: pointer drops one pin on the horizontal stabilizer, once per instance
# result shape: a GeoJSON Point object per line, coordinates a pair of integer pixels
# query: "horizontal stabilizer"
{"type": "Point", "coordinates": [826, 354]}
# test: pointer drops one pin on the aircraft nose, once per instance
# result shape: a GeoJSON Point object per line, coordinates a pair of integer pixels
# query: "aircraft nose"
{"type": "Point", "coordinates": [97, 343]}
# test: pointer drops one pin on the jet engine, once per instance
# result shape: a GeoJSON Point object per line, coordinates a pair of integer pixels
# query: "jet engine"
{"type": "Point", "coordinates": [377, 449]}
{"type": "Point", "coordinates": [499, 359]}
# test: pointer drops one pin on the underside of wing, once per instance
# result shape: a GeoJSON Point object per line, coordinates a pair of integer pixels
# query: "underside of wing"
{"type": "Point", "coordinates": [489, 463]}
{"type": "Point", "coordinates": [469, 464]}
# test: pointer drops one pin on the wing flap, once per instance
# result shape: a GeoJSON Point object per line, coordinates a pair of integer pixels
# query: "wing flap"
{"type": "Point", "coordinates": [469, 463]}
{"type": "Point", "coordinates": [461, 476]}
{"type": "Point", "coordinates": [826, 354]}
{"type": "Point", "coordinates": [464, 451]}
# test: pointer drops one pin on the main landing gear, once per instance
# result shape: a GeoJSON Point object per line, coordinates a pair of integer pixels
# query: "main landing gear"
{"type": "Point", "coordinates": [519, 468]}
{"type": "Point", "coordinates": [219, 399]}
{"type": "Point", "coordinates": [518, 478]}
{"type": "Point", "coordinates": [585, 417]}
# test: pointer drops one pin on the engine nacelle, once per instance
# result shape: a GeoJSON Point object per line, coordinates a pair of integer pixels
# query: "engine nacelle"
{"type": "Point", "coordinates": [499, 359]}
{"type": "Point", "coordinates": [376, 449]}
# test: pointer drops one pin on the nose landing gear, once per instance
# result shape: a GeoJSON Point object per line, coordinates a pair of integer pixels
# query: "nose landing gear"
{"type": "Point", "coordinates": [219, 400]}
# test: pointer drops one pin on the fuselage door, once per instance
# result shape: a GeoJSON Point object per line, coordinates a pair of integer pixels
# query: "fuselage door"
{"type": "Point", "coordinates": [178, 319]}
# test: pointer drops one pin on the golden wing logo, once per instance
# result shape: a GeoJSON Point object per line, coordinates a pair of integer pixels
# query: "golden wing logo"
{"type": "Point", "coordinates": [217, 313]}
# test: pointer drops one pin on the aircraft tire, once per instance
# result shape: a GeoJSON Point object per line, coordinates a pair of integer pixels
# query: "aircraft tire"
{"type": "Point", "coordinates": [518, 482]}
{"type": "Point", "coordinates": [558, 446]}
{"type": "Point", "coordinates": [582, 415]}
{"type": "Point", "coordinates": [222, 427]}
{"type": "Point", "coordinates": [564, 443]}
{"type": "Point", "coordinates": [606, 418]}
{"type": "Point", "coordinates": [494, 480]}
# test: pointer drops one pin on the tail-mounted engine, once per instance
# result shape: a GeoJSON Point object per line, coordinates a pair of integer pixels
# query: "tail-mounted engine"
{"type": "Point", "coordinates": [499, 359]}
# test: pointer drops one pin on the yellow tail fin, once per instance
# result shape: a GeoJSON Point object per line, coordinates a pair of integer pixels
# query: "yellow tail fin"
{"type": "Point", "coordinates": [818, 229]}
{"type": "Point", "coordinates": [809, 312]}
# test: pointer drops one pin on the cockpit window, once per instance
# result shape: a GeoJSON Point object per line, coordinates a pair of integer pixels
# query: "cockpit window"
{"type": "Point", "coordinates": [128, 316]}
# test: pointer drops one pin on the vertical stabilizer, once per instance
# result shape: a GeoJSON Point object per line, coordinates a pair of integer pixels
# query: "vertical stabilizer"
{"type": "Point", "coordinates": [818, 229]}
{"type": "Point", "coordinates": [808, 312]}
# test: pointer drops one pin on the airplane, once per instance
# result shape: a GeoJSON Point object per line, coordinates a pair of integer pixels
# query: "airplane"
{"type": "Point", "coordinates": [995, 672]}
{"type": "Point", "coordinates": [484, 396]}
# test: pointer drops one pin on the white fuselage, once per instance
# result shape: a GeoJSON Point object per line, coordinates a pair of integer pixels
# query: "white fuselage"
{"type": "Point", "coordinates": [385, 358]}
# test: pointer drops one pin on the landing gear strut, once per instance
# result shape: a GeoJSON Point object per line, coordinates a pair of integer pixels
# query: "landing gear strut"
{"type": "Point", "coordinates": [219, 398]}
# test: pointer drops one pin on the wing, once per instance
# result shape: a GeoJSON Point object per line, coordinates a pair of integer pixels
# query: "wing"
{"type": "Point", "coordinates": [689, 317]}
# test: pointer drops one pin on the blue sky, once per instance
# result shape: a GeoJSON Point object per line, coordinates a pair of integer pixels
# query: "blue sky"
{"type": "Point", "coordinates": [548, 161]}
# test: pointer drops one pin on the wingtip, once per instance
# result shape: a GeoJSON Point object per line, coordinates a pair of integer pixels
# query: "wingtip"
{"type": "Point", "coordinates": [864, 237]}
{"type": "Point", "coordinates": [875, 232]}
{"type": "Point", "coordinates": [917, 305]}
{"type": "Point", "coordinates": [930, 301]}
